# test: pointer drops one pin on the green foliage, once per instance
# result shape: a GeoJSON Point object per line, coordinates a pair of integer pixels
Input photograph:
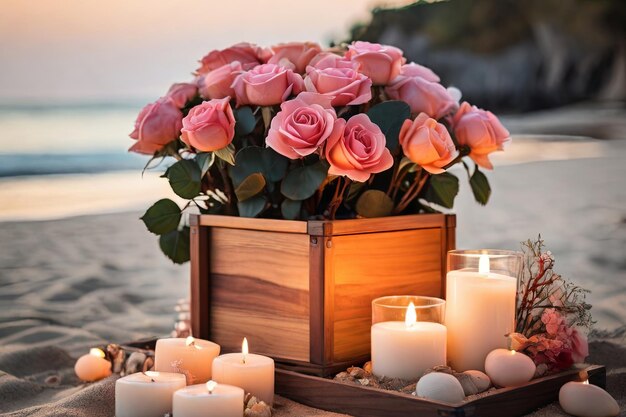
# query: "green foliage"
{"type": "Point", "coordinates": [162, 217]}
{"type": "Point", "coordinates": [443, 189]}
{"type": "Point", "coordinates": [175, 245]}
{"type": "Point", "coordinates": [245, 121]}
{"type": "Point", "coordinates": [253, 159]}
{"type": "Point", "coordinates": [184, 177]}
{"type": "Point", "coordinates": [226, 154]}
{"type": "Point", "coordinates": [252, 207]}
{"type": "Point", "coordinates": [302, 182]}
{"type": "Point", "coordinates": [374, 203]}
{"type": "Point", "coordinates": [205, 161]}
{"type": "Point", "coordinates": [389, 116]}
{"type": "Point", "coordinates": [290, 209]}
{"type": "Point", "coordinates": [480, 186]}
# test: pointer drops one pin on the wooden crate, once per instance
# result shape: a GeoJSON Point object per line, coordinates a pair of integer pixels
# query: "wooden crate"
{"type": "Point", "coordinates": [359, 401]}
{"type": "Point", "coordinates": [301, 291]}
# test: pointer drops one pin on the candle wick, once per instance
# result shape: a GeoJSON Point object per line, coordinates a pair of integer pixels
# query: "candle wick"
{"type": "Point", "coordinates": [148, 376]}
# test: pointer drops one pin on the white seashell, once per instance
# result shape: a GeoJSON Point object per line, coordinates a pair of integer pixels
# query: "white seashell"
{"type": "Point", "coordinates": [586, 400]}
{"type": "Point", "coordinates": [441, 387]}
{"type": "Point", "coordinates": [479, 380]}
{"type": "Point", "coordinates": [508, 368]}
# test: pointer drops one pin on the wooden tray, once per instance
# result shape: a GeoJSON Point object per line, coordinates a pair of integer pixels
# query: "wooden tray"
{"type": "Point", "coordinates": [372, 402]}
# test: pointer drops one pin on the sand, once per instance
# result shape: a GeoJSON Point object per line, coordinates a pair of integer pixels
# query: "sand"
{"type": "Point", "coordinates": [66, 285]}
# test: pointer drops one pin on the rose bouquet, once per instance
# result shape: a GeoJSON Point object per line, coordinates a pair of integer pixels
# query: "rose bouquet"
{"type": "Point", "coordinates": [551, 314]}
{"type": "Point", "coordinates": [297, 132]}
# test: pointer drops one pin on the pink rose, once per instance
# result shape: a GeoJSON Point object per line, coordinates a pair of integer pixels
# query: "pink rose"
{"type": "Point", "coordinates": [481, 131]}
{"type": "Point", "coordinates": [325, 60]}
{"type": "Point", "coordinates": [344, 85]}
{"type": "Point", "coordinates": [421, 94]}
{"type": "Point", "coordinates": [416, 70]}
{"type": "Point", "coordinates": [158, 124]}
{"type": "Point", "coordinates": [181, 93]}
{"type": "Point", "coordinates": [209, 126]}
{"type": "Point", "coordinates": [249, 55]}
{"type": "Point", "coordinates": [427, 143]}
{"type": "Point", "coordinates": [359, 150]}
{"type": "Point", "coordinates": [298, 53]}
{"type": "Point", "coordinates": [303, 125]}
{"type": "Point", "coordinates": [580, 346]}
{"type": "Point", "coordinates": [266, 85]}
{"type": "Point", "coordinates": [218, 82]}
{"type": "Point", "coordinates": [381, 63]}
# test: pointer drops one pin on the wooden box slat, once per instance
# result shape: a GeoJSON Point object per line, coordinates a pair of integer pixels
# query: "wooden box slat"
{"type": "Point", "coordinates": [359, 401]}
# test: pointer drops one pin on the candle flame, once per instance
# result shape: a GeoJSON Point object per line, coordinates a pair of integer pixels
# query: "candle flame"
{"type": "Point", "coordinates": [483, 264]}
{"type": "Point", "coordinates": [244, 349]}
{"type": "Point", "coordinates": [411, 316]}
{"type": "Point", "coordinates": [97, 352]}
{"type": "Point", "coordinates": [190, 341]}
{"type": "Point", "coordinates": [586, 382]}
{"type": "Point", "coordinates": [211, 385]}
{"type": "Point", "coordinates": [513, 352]}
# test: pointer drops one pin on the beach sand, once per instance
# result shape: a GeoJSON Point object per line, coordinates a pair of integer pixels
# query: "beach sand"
{"type": "Point", "coordinates": [69, 284]}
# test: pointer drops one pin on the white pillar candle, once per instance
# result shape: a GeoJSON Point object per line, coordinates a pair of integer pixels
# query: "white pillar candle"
{"type": "Point", "coordinates": [585, 400]}
{"type": "Point", "coordinates": [406, 349]}
{"type": "Point", "coordinates": [480, 312]}
{"type": "Point", "coordinates": [192, 357]}
{"type": "Point", "coordinates": [253, 373]}
{"type": "Point", "coordinates": [209, 400]}
{"type": "Point", "coordinates": [146, 394]}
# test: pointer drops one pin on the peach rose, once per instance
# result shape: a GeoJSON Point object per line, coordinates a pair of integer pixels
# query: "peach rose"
{"type": "Point", "coordinates": [209, 126]}
{"type": "Point", "coordinates": [427, 143]}
{"type": "Point", "coordinates": [298, 53]}
{"type": "Point", "coordinates": [325, 60]}
{"type": "Point", "coordinates": [249, 55]}
{"type": "Point", "coordinates": [218, 82]}
{"type": "Point", "coordinates": [303, 125]}
{"type": "Point", "coordinates": [181, 93]}
{"type": "Point", "coordinates": [416, 87]}
{"type": "Point", "coordinates": [481, 131]}
{"type": "Point", "coordinates": [580, 346]}
{"type": "Point", "coordinates": [158, 124]}
{"type": "Point", "coordinates": [266, 85]}
{"type": "Point", "coordinates": [381, 63]}
{"type": "Point", "coordinates": [344, 85]}
{"type": "Point", "coordinates": [359, 150]}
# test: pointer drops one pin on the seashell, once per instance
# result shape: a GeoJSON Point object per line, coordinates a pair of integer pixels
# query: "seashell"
{"type": "Point", "coordinates": [368, 367]}
{"type": "Point", "coordinates": [508, 368]}
{"type": "Point", "coordinates": [473, 382]}
{"type": "Point", "coordinates": [258, 410]}
{"type": "Point", "coordinates": [441, 387]}
{"type": "Point", "coordinates": [586, 400]}
{"type": "Point", "coordinates": [135, 363]}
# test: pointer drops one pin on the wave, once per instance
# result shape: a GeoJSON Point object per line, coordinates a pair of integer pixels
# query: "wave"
{"type": "Point", "coordinates": [17, 165]}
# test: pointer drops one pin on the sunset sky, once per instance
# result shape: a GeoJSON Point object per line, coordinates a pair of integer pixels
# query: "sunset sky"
{"type": "Point", "coordinates": [69, 50]}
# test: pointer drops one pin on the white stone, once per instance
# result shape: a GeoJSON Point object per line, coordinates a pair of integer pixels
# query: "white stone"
{"type": "Point", "coordinates": [441, 387]}
{"type": "Point", "coordinates": [480, 379]}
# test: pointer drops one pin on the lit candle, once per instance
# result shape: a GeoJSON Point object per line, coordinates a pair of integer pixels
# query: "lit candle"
{"type": "Point", "coordinates": [93, 366]}
{"type": "Point", "coordinates": [480, 313]}
{"type": "Point", "coordinates": [508, 368]}
{"type": "Point", "coordinates": [192, 357]}
{"type": "Point", "coordinates": [209, 400]}
{"type": "Point", "coordinates": [146, 394]}
{"type": "Point", "coordinates": [253, 373]}
{"type": "Point", "coordinates": [406, 349]}
{"type": "Point", "coordinates": [585, 400]}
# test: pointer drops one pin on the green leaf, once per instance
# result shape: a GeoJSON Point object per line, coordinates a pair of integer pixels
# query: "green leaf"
{"type": "Point", "coordinates": [302, 182]}
{"type": "Point", "coordinates": [184, 177]}
{"type": "Point", "coordinates": [442, 189]}
{"type": "Point", "coordinates": [253, 159]}
{"type": "Point", "coordinates": [480, 187]}
{"type": "Point", "coordinates": [226, 154]}
{"type": "Point", "coordinates": [245, 121]}
{"type": "Point", "coordinates": [252, 206]}
{"type": "Point", "coordinates": [250, 187]}
{"type": "Point", "coordinates": [162, 217]}
{"type": "Point", "coordinates": [354, 189]}
{"type": "Point", "coordinates": [374, 203]}
{"type": "Point", "coordinates": [389, 116]}
{"type": "Point", "coordinates": [205, 160]}
{"type": "Point", "coordinates": [291, 209]}
{"type": "Point", "coordinates": [175, 245]}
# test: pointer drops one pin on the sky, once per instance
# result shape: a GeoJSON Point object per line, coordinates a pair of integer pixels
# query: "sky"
{"type": "Point", "coordinates": [73, 50]}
